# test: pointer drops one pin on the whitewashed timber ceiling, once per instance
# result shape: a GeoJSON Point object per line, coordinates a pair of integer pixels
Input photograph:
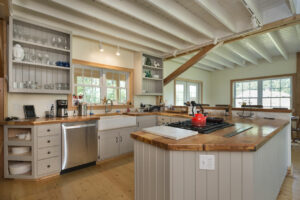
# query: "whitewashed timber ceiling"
{"type": "Point", "coordinates": [165, 27]}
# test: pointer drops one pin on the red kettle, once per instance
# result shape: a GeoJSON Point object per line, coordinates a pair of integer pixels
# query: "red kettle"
{"type": "Point", "coordinates": [199, 120]}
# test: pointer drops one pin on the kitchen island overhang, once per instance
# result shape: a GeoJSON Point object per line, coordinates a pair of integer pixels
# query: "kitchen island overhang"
{"type": "Point", "coordinates": [251, 165]}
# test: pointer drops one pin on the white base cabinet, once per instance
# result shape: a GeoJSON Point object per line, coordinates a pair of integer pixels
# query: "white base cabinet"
{"type": "Point", "coordinates": [146, 121]}
{"type": "Point", "coordinates": [115, 142]}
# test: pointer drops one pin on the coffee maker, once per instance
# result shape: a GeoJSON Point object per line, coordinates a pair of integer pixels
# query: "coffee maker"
{"type": "Point", "coordinates": [61, 108]}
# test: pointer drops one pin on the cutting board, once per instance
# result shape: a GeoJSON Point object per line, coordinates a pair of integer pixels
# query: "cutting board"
{"type": "Point", "coordinates": [170, 132]}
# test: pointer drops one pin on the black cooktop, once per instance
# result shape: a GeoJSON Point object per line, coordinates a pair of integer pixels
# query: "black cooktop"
{"type": "Point", "coordinates": [209, 128]}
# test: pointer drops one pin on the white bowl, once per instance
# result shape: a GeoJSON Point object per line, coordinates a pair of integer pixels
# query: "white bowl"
{"type": "Point", "coordinates": [20, 150]}
{"type": "Point", "coordinates": [155, 76]}
{"type": "Point", "coordinates": [19, 168]}
{"type": "Point", "coordinates": [22, 136]}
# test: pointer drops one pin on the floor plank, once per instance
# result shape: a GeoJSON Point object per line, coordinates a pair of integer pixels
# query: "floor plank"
{"type": "Point", "coordinates": [109, 181]}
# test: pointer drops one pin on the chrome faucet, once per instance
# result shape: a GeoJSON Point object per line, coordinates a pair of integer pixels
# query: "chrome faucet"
{"type": "Point", "coordinates": [106, 106]}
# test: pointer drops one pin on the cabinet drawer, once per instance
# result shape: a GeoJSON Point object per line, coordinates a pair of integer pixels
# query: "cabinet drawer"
{"type": "Point", "coordinates": [49, 141]}
{"type": "Point", "coordinates": [48, 165]}
{"type": "Point", "coordinates": [52, 129]}
{"type": "Point", "coordinates": [49, 152]}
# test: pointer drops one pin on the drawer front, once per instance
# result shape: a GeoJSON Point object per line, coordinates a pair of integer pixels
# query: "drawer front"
{"type": "Point", "coordinates": [48, 166]}
{"type": "Point", "coordinates": [52, 129]}
{"type": "Point", "coordinates": [49, 152]}
{"type": "Point", "coordinates": [49, 141]}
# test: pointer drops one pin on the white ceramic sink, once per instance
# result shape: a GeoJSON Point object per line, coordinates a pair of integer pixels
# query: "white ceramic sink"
{"type": "Point", "coordinates": [116, 121]}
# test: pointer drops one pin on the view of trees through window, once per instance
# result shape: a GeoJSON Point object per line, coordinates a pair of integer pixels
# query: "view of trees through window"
{"type": "Point", "coordinates": [187, 91]}
{"type": "Point", "coordinates": [270, 93]}
{"type": "Point", "coordinates": [94, 84]}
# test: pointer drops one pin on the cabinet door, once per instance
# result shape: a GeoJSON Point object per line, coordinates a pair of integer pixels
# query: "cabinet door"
{"type": "Point", "coordinates": [109, 144]}
{"type": "Point", "coordinates": [146, 121]}
{"type": "Point", "coordinates": [126, 142]}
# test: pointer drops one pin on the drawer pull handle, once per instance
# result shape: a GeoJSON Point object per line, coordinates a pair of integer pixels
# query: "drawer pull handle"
{"type": "Point", "coordinates": [48, 166]}
{"type": "Point", "coordinates": [48, 141]}
{"type": "Point", "coordinates": [48, 130]}
{"type": "Point", "coordinates": [48, 152]}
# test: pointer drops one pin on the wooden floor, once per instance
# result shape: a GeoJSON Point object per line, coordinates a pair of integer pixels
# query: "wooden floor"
{"type": "Point", "coordinates": [109, 181]}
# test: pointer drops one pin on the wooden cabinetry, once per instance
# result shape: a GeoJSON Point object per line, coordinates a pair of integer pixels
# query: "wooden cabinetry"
{"type": "Point", "coordinates": [115, 142]}
{"type": "Point", "coordinates": [152, 83]}
{"type": "Point", "coordinates": [39, 58]}
{"type": "Point", "coordinates": [44, 143]}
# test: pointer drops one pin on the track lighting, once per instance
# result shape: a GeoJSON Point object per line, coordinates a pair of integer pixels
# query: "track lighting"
{"type": "Point", "coordinates": [118, 51]}
{"type": "Point", "coordinates": [101, 47]}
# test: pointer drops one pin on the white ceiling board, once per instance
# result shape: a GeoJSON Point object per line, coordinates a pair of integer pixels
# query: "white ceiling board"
{"type": "Point", "coordinates": [197, 65]}
{"type": "Point", "coordinates": [278, 43]}
{"type": "Point", "coordinates": [89, 23]}
{"type": "Point", "coordinates": [147, 15]}
{"type": "Point", "coordinates": [120, 20]}
{"type": "Point", "coordinates": [272, 14]}
{"type": "Point", "coordinates": [238, 49]}
{"type": "Point", "coordinates": [80, 31]}
{"type": "Point", "coordinates": [228, 55]}
{"type": "Point", "coordinates": [220, 60]}
{"type": "Point", "coordinates": [258, 48]}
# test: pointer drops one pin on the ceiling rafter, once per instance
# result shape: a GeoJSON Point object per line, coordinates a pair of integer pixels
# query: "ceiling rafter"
{"type": "Point", "coordinates": [220, 60]}
{"type": "Point", "coordinates": [215, 9]}
{"type": "Point", "coordinates": [259, 49]}
{"type": "Point", "coordinates": [297, 28]}
{"type": "Point", "coordinates": [92, 25]}
{"type": "Point", "coordinates": [253, 9]}
{"type": "Point", "coordinates": [242, 52]}
{"type": "Point", "coordinates": [292, 6]}
{"type": "Point", "coordinates": [185, 16]}
{"type": "Point", "coordinates": [197, 65]}
{"type": "Point", "coordinates": [82, 32]}
{"type": "Point", "coordinates": [226, 54]}
{"type": "Point", "coordinates": [142, 14]}
{"type": "Point", "coordinates": [278, 44]}
{"type": "Point", "coordinates": [211, 64]}
{"type": "Point", "coordinates": [111, 18]}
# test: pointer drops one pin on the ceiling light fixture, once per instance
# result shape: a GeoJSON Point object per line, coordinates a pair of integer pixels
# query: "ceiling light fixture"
{"type": "Point", "coordinates": [215, 41]}
{"type": "Point", "coordinates": [101, 47]}
{"type": "Point", "coordinates": [118, 51]}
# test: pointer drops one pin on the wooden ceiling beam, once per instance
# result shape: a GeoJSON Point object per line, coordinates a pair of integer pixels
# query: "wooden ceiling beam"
{"type": "Point", "coordinates": [220, 60]}
{"type": "Point", "coordinates": [289, 21]}
{"type": "Point", "coordinates": [188, 63]}
{"type": "Point", "coordinates": [216, 10]}
{"type": "Point", "coordinates": [136, 11]}
{"type": "Point", "coordinates": [185, 16]}
{"type": "Point", "coordinates": [278, 44]}
{"type": "Point", "coordinates": [259, 49]}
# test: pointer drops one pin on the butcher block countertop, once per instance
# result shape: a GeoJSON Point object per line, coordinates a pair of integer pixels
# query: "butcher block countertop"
{"type": "Point", "coordinates": [250, 140]}
{"type": "Point", "coordinates": [42, 120]}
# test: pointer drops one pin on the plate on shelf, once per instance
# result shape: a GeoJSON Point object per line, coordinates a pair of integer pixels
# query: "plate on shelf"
{"type": "Point", "coordinates": [18, 52]}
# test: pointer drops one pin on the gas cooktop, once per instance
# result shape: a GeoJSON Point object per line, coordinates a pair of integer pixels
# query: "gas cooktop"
{"type": "Point", "coordinates": [209, 128]}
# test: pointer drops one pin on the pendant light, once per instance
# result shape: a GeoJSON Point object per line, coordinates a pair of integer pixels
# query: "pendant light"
{"type": "Point", "coordinates": [101, 47]}
{"type": "Point", "coordinates": [118, 51]}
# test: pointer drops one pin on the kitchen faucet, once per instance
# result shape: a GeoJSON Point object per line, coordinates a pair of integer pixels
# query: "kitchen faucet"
{"type": "Point", "coordinates": [106, 105]}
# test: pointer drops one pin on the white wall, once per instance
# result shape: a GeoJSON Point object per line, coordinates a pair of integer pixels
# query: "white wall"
{"type": "Point", "coordinates": [220, 80]}
{"type": "Point", "coordinates": [193, 74]}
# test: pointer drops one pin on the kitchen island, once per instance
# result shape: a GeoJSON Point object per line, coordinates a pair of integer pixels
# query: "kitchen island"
{"type": "Point", "coordinates": [248, 166]}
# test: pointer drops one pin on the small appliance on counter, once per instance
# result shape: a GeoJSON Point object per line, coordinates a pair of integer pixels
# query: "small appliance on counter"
{"type": "Point", "coordinates": [82, 109]}
{"type": "Point", "coordinates": [29, 112]}
{"type": "Point", "coordinates": [61, 108]}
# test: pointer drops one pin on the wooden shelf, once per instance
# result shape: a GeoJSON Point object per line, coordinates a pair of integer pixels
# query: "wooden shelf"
{"type": "Point", "coordinates": [152, 67]}
{"type": "Point", "coordinates": [155, 79]}
{"type": "Point", "coordinates": [150, 94]}
{"type": "Point", "coordinates": [41, 45]}
{"type": "Point", "coordinates": [40, 65]}
{"type": "Point", "coordinates": [19, 157]}
{"type": "Point", "coordinates": [39, 91]}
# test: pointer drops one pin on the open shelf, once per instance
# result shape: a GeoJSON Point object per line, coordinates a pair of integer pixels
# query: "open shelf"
{"type": "Point", "coordinates": [40, 45]}
{"type": "Point", "coordinates": [41, 65]}
{"type": "Point", "coordinates": [152, 67]}
{"type": "Point", "coordinates": [155, 79]}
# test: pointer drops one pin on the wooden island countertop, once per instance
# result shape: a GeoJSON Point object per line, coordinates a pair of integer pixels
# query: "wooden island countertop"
{"type": "Point", "coordinates": [250, 140]}
{"type": "Point", "coordinates": [43, 120]}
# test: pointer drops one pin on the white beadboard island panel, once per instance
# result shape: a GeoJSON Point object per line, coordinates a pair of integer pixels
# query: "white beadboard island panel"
{"type": "Point", "coordinates": [175, 175]}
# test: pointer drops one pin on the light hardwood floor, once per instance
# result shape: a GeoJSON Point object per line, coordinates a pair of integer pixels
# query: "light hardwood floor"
{"type": "Point", "coordinates": [109, 181]}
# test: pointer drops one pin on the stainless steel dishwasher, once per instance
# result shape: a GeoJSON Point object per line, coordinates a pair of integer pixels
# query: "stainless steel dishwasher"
{"type": "Point", "coordinates": [79, 145]}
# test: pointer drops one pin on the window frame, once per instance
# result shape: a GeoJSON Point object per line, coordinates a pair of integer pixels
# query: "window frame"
{"type": "Point", "coordinates": [260, 88]}
{"type": "Point", "coordinates": [103, 69]}
{"type": "Point", "coordinates": [187, 83]}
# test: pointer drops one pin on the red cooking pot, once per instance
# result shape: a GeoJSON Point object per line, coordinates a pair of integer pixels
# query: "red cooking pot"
{"type": "Point", "coordinates": [199, 120]}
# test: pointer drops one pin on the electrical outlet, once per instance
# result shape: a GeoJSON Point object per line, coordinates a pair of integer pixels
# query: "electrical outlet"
{"type": "Point", "coordinates": [207, 162]}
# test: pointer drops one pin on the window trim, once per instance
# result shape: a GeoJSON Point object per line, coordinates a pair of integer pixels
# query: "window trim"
{"type": "Point", "coordinates": [104, 67]}
{"type": "Point", "coordinates": [292, 76]}
{"type": "Point", "coordinates": [192, 81]}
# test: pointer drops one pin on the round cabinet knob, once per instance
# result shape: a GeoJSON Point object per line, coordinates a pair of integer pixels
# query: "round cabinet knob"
{"type": "Point", "coordinates": [48, 141]}
{"type": "Point", "coordinates": [48, 152]}
{"type": "Point", "coordinates": [48, 130]}
{"type": "Point", "coordinates": [48, 166]}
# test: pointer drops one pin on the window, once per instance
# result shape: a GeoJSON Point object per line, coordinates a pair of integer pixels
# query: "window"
{"type": "Point", "coordinates": [187, 90]}
{"type": "Point", "coordinates": [95, 84]}
{"type": "Point", "coordinates": [271, 92]}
